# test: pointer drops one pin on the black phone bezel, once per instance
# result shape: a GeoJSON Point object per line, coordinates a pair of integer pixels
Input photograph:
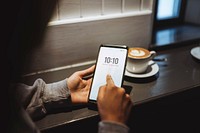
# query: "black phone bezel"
{"type": "Point", "coordinates": [111, 46]}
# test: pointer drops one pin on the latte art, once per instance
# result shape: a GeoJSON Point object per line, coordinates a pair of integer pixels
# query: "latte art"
{"type": "Point", "coordinates": [137, 53]}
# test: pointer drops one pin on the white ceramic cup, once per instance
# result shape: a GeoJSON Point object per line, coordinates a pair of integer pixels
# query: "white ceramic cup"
{"type": "Point", "coordinates": [138, 59]}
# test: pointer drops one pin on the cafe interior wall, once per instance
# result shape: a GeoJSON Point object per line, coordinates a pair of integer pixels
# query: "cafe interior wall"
{"type": "Point", "coordinates": [68, 44]}
{"type": "Point", "coordinates": [192, 14]}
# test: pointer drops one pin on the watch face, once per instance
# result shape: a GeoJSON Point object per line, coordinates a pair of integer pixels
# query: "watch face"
{"type": "Point", "coordinates": [110, 61]}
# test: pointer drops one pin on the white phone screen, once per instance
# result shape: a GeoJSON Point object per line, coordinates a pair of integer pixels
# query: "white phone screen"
{"type": "Point", "coordinates": [111, 61]}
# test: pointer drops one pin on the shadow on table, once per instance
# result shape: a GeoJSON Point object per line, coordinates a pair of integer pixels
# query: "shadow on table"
{"type": "Point", "coordinates": [142, 80]}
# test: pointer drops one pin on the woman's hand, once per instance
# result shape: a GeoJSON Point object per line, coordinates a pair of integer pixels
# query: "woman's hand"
{"type": "Point", "coordinates": [79, 87]}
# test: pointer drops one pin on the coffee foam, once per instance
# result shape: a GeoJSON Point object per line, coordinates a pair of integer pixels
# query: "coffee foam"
{"type": "Point", "coordinates": [138, 52]}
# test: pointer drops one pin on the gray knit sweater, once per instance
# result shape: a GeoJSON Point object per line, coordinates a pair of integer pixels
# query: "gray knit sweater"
{"type": "Point", "coordinates": [35, 99]}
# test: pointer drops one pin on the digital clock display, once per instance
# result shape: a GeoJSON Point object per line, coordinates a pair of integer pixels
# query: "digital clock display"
{"type": "Point", "coordinates": [111, 61]}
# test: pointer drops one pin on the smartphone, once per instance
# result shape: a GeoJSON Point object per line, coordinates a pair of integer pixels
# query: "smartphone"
{"type": "Point", "coordinates": [111, 60]}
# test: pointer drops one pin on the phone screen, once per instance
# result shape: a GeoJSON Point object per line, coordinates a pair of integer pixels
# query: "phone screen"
{"type": "Point", "coordinates": [111, 60]}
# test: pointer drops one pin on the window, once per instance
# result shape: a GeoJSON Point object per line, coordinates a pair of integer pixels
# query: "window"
{"type": "Point", "coordinates": [169, 12]}
{"type": "Point", "coordinates": [168, 9]}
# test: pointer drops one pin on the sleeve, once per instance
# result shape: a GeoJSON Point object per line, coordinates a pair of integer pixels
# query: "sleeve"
{"type": "Point", "coordinates": [112, 127]}
{"type": "Point", "coordinates": [41, 98]}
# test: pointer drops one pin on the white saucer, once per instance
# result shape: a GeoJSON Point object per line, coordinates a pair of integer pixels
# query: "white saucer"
{"type": "Point", "coordinates": [152, 69]}
{"type": "Point", "coordinates": [195, 52]}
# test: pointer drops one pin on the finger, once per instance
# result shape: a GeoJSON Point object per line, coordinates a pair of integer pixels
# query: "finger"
{"type": "Point", "coordinates": [86, 71]}
{"type": "Point", "coordinates": [129, 103]}
{"type": "Point", "coordinates": [122, 95]}
{"type": "Point", "coordinates": [125, 100]}
{"type": "Point", "coordinates": [89, 83]}
{"type": "Point", "coordinates": [109, 80]}
{"type": "Point", "coordinates": [86, 84]}
{"type": "Point", "coordinates": [101, 92]}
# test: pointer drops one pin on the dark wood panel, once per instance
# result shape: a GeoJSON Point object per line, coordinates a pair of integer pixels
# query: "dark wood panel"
{"type": "Point", "coordinates": [74, 43]}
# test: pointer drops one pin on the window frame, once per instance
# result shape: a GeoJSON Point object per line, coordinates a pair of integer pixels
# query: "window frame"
{"type": "Point", "coordinates": [171, 21]}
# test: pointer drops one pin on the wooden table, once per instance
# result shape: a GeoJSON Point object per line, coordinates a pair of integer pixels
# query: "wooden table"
{"type": "Point", "coordinates": [181, 72]}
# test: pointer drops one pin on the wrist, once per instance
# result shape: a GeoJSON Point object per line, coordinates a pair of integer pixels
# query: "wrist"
{"type": "Point", "coordinates": [114, 119]}
{"type": "Point", "coordinates": [115, 122]}
{"type": "Point", "coordinates": [110, 126]}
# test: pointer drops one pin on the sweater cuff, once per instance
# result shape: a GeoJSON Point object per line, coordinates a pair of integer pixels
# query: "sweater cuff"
{"type": "Point", "coordinates": [56, 91]}
{"type": "Point", "coordinates": [56, 96]}
{"type": "Point", "coordinates": [112, 127]}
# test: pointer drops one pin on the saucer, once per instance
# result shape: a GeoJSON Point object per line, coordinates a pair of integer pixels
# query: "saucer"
{"type": "Point", "coordinates": [152, 70]}
{"type": "Point", "coordinates": [195, 52]}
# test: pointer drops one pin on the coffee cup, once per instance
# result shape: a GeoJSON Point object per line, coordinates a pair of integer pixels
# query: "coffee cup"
{"type": "Point", "coordinates": [138, 59]}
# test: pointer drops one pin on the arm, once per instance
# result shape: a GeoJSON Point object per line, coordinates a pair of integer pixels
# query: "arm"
{"type": "Point", "coordinates": [41, 98]}
{"type": "Point", "coordinates": [35, 98]}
